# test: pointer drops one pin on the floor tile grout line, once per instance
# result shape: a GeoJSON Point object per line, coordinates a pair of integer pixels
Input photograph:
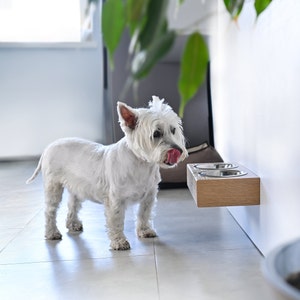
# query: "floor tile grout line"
{"type": "Point", "coordinates": [156, 268]}
{"type": "Point", "coordinates": [154, 254]}
{"type": "Point", "coordinates": [73, 260]}
{"type": "Point", "coordinates": [11, 239]}
{"type": "Point", "coordinates": [21, 229]}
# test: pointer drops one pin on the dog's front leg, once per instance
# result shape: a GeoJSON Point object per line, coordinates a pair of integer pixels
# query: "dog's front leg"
{"type": "Point", "coordinates": [143, 227]}
{"type": "Point", "coordinates": [115, 215]}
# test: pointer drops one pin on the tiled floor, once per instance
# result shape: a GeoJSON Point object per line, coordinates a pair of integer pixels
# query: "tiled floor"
{"type": "Point", "coordinates": [199, 254]}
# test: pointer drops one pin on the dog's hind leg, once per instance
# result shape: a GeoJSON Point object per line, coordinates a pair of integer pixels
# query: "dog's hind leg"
{"type": "Point", "coordinates": [73, 223]}
{"type": "Point", "coordinates": [143, 226]}
{"type": "Point", "coordinates": [53, 196]}
{"type": "Point", "coordinates": [115, 215]}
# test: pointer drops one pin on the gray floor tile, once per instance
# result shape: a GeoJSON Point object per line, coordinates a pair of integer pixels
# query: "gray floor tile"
{"type": "Point", "coordinates": [198, 254]}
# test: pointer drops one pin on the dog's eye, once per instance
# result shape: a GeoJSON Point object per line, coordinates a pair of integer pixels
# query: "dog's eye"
{"type": "Point", "coordinates": [157, 134]}
{"type": "Point", "coordinates": [173, 130]}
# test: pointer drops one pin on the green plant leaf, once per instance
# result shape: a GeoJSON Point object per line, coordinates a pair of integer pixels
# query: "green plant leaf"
{"type": "Point", "coordinates": [261, 5]}
{"type": "Point", "coordinates": [234, 7]}
{"type": "Point", "coordinates": [193, 68]}
{"type": "Point", "coordinates": [144, 60]}
{"type": "Point", "coordinates": [136, 12]}
{"type": "Point", "coordinates": [156, 12]}
{"type": "Point", "coordinates": [113, 24]}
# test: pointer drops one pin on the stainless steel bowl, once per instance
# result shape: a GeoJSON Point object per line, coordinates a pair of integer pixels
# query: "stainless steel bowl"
{"type": "Point", "coordinates": [222, 173]}
{"type": "Point", "coordinates": [279, 265]}
{"type": "Point", "coordinates": [215, 166]}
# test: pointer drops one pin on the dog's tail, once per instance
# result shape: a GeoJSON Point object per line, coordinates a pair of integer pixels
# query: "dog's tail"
{"type": "Point", "coordinates": [36, 171]}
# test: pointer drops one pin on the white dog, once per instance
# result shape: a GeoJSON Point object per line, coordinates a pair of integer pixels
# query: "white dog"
{"type": "Point", "coordinates": [115, 175]}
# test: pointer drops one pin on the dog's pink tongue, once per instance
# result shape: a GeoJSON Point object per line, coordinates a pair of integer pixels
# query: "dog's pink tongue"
{"type": "Point", "coordinates": [173, 156]}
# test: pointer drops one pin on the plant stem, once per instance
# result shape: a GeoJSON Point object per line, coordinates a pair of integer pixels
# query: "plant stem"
{"type": "Point", "coordinates": [181, 109]}
{"type": "Point", "coordinates": [125, 88]}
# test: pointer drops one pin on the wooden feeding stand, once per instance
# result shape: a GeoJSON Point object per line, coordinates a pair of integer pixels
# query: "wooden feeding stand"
{"type": "Point", "coordinates": [223, 184]}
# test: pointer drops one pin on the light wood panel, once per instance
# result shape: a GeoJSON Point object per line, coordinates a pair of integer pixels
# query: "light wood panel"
{"type": "Point", "coordinates": [231, 191]}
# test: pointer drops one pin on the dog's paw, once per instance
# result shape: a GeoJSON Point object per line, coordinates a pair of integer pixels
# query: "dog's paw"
{"type": "Point", "coordinates": [121, 244]}
{"type": "Point", "coordinates": [146, 233]}
{"type": "Point", "coordinates": [54, 235]}
{"type": "Point", "coordinates": [75, 226]}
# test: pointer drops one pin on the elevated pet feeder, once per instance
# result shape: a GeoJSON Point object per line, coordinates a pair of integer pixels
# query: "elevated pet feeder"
{"type": "Point", "coordinates": [223, 184]}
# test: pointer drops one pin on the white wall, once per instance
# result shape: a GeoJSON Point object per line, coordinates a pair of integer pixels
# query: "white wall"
{"type": "Point", "coordinates": [256, 107]}
{"type": "Point", "coordinates": [47, 93]}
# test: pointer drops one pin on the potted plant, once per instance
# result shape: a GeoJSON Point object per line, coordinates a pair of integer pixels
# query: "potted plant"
{"type": "Point", "coordinates": [151, 39]}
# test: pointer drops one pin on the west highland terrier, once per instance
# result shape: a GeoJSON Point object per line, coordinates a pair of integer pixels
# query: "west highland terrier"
{"type": "Point", "coordinates": [115, 175]}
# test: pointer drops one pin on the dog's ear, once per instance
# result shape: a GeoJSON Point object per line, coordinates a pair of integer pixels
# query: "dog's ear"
{"type": "Point", "coordinates": [127, 115]}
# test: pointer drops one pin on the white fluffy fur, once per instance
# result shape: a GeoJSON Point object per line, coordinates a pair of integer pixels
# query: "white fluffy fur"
{"type": "Point", "coordinates": [115, 175]}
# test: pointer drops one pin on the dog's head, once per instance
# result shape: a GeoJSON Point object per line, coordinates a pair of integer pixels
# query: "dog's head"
{"type": "Point", "coordinates": [154, 134]}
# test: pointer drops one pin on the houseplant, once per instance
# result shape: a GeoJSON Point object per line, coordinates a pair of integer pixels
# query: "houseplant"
{"type": "Point", "coordinates": [151, 39]}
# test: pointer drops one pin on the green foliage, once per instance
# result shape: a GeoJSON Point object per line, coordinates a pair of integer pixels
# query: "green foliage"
{"type": "Point", "coordinates": [136, 12]}
{"type": "Point", "coordinates": [234, 7]}
{"type": "Point", "coordinates": [113, 24]}
{"type": "Point", "coordinates": [144, 60]}
{"type": "Point", "coordinates": [151, 39]}
{"type": "Point", "coordinates": [193, 68]}
{"type": "Point", "coordinates": [155, 24]}
{"type": "Point", "coordinates": [261, 5]}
